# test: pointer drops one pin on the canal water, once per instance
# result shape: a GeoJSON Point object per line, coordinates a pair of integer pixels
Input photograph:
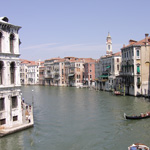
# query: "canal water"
{"type": "Point", "coordinates": [68, 118]}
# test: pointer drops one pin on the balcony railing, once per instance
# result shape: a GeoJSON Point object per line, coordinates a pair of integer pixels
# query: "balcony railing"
{"type": "Point", "coordinates": [49, 76]}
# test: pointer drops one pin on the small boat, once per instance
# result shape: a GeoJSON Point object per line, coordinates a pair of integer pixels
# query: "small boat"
{"type": "Point", "coordinates": [134, 117]}
{"type": "Point", "coordinates": [138, 146]}
{"type": "Point", "coordinates": [117, 93]}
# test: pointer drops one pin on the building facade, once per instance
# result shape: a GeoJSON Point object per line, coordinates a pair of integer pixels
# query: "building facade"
{"type": "Point", "coordinates": [29, 72]}
{"type": "Point", "coordinates": [135, 67]}
{"type": "Point", "coordinates": [108, 68]}
{"type": "Point", "coordinates": [10, 87]}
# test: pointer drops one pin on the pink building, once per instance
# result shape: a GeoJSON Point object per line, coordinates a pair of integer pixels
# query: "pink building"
{"type": "Point", "coordinates": [89, 72]}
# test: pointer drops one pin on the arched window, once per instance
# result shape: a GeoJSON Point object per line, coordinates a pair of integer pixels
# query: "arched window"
{"type": "Point", "coordinates": [1, 72]}
{"type": "Point", "coordinates": [12, 37]}
{"type": "Point", "coordinates": [1, 42]}
{"type": "Point", "coordinates": [12, 73]}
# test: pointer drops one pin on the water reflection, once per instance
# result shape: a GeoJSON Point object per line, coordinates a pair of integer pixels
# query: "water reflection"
{"type": "Point", "coordinates": [12, 142]}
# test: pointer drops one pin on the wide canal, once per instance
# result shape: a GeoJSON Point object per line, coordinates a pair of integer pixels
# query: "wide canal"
{"type": "Point", "coordinates": [80, 119]}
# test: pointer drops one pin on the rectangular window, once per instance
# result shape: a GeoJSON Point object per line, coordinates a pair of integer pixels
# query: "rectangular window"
{"type": "Point", "coordinates": [2, 104]}
{"type": "Point", "coordinates": [12, 76]}
{"type": "Point", "coordinates": [0, 42]}
{"type": "Point", "coordinates": [14, 102]}
{"type": "Point", "coordinates": [117, 59]}
{"type": "Point", "coordinates": [15, 118]}
{"type": "Point", "coordinates": [118, 67]}
{"type": "Point", "coordinates": [138, 80]}
{"type": "Point", "coordinates": [1, 73]}
{"type": "Point", "coordinates": [132, 53]}
{"type": "Point", "coordinates": [2, 121]}
{"type": "Point", "coordinates": [137, 54]}
{"type": "Point", "coordinates": [138, 69]}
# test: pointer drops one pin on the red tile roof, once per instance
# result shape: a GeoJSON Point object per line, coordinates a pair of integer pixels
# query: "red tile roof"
{"type": "Point", "coordinates": [138, 43]}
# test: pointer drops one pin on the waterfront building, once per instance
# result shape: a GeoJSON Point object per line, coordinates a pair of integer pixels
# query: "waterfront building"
{"type": "Point", "coordinates": [29, 72]}
{"type": "Point", "coordinates": [67, 71]}
{"type": "Point", "coordinates": [97, 74]}
{"type": "Point", "coordinates": [89, 72]}
{"type": "Point", "coordinates": [59, 75]}
{"type": "Point", "coordinates": [109, 66]}
{"type": "Point", "coordinates": [135, 67]}
{"type": "Point", "coordinates": [11, 111]}
{"type": "Point", "coordinates": [24, 71]}
{"type": "Point", "coordinates": [50, 70]}
{"type": "Point", "coordinates": [41, 75]}
{"type": "Point", "coordinates": [33, 72]}
{"type": "Point", "coordinates": [74, 71]}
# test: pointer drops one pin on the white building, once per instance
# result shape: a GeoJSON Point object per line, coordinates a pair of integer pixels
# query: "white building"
{"type": "Point", "coordinates": [29, 72]}
{"type": "Point", "coordinates": [11, 113]}
{"type": "Point", "coordinates": [10, 98]}
{"type": "Point", "coordinates": [109, 66]}
{"type": "Point", "coordinates": [33, 73]}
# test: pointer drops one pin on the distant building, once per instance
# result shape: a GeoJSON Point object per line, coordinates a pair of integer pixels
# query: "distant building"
{"type": "Point", "coordinates": [73, 71]}
{"type": "Point", "coordinates": [108, 68]}
{"type": "Point", "coordinates": [50, 71]}
{"type": "Point", "coordinates": [41, 75]}
{"type": "Point", "coordinates": [89, 72]}
{"type": "Point", "coordinates": [29, 72]}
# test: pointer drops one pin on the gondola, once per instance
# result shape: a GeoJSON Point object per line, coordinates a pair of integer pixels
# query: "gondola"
{"type": "Point", "coordinates": [136, 117]}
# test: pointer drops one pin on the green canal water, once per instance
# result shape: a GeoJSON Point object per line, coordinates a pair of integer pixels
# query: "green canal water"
{"type": "Point", "coordinates": [80, 119]}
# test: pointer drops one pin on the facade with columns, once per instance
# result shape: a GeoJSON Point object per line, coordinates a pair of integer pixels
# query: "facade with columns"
{"type": "Point", "coordinates": [10, 87]}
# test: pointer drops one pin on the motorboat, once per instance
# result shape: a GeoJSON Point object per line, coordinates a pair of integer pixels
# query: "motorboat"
{"type": "Point", "coordinates": [138, 146]}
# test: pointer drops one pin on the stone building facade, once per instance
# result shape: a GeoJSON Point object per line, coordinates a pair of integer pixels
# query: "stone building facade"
{"type": "Point", "coordinates": [10, 87]}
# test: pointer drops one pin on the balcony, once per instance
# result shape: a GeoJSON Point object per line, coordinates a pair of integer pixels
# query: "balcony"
{"type": "Point", "coordinates": [49, 75]}
{"type": "Point", "coordinates": [126, 73]}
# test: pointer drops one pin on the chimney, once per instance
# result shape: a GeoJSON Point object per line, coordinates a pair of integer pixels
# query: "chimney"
{"type": "Point", "coordinates": [131, 42]}
{"type": "Point", "coordinates": [146, 39]}
{"type": "Point", "coordinates": [146, 35]}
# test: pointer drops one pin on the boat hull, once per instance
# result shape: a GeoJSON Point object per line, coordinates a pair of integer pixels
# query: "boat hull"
{"type": "Point", "coordinates": [135, 117]}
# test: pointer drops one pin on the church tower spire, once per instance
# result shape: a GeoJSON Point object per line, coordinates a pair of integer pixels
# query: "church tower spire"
{"type": "Point", "coordinates": [108, 45]}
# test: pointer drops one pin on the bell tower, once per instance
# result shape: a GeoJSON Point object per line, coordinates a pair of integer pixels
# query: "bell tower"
{"type": "Point", "coordinates": [108, 45]}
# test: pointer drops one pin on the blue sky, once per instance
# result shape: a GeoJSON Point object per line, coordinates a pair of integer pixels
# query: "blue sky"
{"type": "Point", "coordinates": [52, 28]}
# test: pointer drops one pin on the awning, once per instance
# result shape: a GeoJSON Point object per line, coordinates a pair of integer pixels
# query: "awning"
{"type": "Point", "coordinates": [103, 76]}
{"type": "Point", "coordinates": [108, 67]}
{"type": "Point", "coordinates": [70, 75]}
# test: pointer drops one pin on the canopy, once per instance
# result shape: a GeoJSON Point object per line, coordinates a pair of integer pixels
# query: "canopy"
{"type": "Point", "coordinates": [108, 67]}
{"type": "Point", "coordinates": [103, 76]}
{"type": "Point", "coordinates": [70, 75]}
